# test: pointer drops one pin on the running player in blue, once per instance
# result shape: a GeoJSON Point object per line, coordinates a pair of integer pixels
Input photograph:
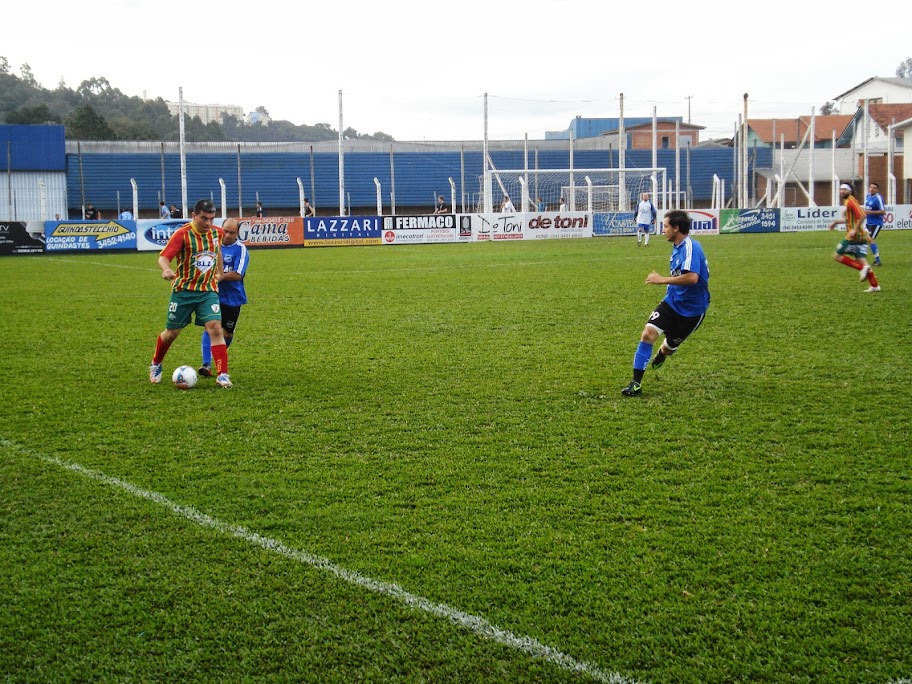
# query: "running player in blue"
{"type": "Point", "coordinates": [874, 220]}
{"type": "Point", "coordinates": [685, 303]}
{"type": "Point", "coordinates": [232, 295]}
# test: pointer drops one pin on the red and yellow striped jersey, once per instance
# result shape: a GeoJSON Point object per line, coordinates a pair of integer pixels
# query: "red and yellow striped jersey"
{"type": "Point", "coordinates": [197, 257]}
{"type": "Point", "coordinates": [854, 220]}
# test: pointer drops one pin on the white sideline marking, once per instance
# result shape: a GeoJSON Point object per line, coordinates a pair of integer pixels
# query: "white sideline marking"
{"type": "Point", "coordinates": [101, 263]}
{"type": "Point", "coordinates": [473, 623]}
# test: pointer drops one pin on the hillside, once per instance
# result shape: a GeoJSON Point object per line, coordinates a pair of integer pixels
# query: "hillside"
{"type": "Point", "coordinates": [96, 110]}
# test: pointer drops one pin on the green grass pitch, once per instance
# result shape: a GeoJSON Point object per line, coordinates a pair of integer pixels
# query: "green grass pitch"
{"type": "Point", "coordinates": [448, 420]}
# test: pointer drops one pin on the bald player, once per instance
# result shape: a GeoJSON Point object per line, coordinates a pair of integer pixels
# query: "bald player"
{"type": "Point", "coordinates": [232, 295]}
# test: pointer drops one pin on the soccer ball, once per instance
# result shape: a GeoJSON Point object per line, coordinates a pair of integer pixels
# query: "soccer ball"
{"type": "Point", "coordinates": [184, 377]}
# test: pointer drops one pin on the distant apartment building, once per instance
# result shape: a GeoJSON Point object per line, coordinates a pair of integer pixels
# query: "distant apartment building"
{"type": "Point", "coordinates": [207, 112]}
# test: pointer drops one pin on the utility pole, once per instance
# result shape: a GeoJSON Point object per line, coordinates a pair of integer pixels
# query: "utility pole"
{"type": "Point", "coordinates": [688, 107]}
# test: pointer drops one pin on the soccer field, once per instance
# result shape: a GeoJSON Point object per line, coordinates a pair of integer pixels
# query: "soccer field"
{"type": "Point", "coordinates": [425, 471]}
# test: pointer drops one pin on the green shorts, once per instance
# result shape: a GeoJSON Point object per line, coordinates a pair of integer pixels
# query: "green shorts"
{"type": "Point", "coordinates": [183, 304]}
{"type": "Point", "coordinates": [855, 250]}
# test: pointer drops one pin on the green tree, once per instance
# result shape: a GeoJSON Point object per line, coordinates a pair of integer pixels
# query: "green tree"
{"type": "Point", "coordinates": [84, 123]}
{"type": "Point", "coordinates": [904, 70]}
{"type": "Point", "coordinates": [4, 65]}
{"type": "Point", "coordinates": [28, 77]}
{"type": "Point", "coordinates": [36, 114]}
{"type": "Point", "coordinates": [828, 108]}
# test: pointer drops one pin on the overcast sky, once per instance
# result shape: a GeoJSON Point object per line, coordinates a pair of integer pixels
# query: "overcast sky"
{"type": "Point", "coordinates": [419, 70]}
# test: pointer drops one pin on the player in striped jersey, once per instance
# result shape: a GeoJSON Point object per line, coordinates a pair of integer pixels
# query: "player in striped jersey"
{"type": "Point", "coordinates": [853, 248]}
{"type": "Point", "coordinates": [194, 288]}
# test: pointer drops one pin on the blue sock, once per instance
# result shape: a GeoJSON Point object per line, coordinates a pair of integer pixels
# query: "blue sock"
{"type": "Point", "coordinates": [642, 356]}
{"type": "Point", "coordinates": [228, 341]}
{"type": "Point", "coordinates": [207, 349]}
{"type": "Point", "coordinates": [874, 250]}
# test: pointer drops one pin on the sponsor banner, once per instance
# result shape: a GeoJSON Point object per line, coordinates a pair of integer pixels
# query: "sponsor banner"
{"type": "Point", "coordinates": [704, 221]}
{"type": "Point", "coordinates": [419, 236]}
{"type": "Point", "coordinates": [153, 234]}
{"type": "Point", "coordinates": [271, 231]}
{"type": "Point", "coordinates": [329, 231]}
{"type": "Point", "coordinates": [496, 227]}
{"type": "Point", "coordinates": [761, 220]}
{"type": "Point", "coordinates": [501, 226]}
{"type": "Point", "coordinates": [800, 219]}
{"type": "Point", "coordinates": [21, 238]}
{"type": "Point", "coordinates": [482, 227]}
{"type": "Point", "coordinates": [427, 222]}
{"type": "Point", "coordinates": [464, 224]}
{"type": "Point", "coordinates": [899, 217]}
{"type": "Point", "coordinates": [614, 223]}
{"type": "Point", "coordinates": [67, 236]}
{"type": "Point", "coordinates": [576, 224]}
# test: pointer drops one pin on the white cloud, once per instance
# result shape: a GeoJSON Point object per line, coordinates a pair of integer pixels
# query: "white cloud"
{"type": "Point", "coordinates": [419, 71]}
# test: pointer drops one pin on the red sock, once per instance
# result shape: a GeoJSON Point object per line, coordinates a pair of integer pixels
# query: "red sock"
{"type": "Point", "coordinates": [871, 279]}
{"type": "Point", "coordinates": [850, 262]}
{"type": "Point", "coordinates": [220, 356]}
{"type": "Point", "coordinates": [161, 348]}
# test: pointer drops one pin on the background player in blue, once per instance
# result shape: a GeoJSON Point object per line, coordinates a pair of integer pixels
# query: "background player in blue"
{"type": "Point", "coordinates": [874, 220]}
{"type": "Point", "coordinates": [231, 289]}
{"type": "Point", "coordinates": [685, 303]}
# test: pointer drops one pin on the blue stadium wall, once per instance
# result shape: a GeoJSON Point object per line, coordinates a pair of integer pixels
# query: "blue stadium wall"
{"type": "Point", "coordinates": [419, 175]}
{"type": "Point", "coordinates": [32, 148]}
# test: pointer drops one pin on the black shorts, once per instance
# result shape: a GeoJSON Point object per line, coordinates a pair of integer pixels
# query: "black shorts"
{"type": "Point", "coordinates": [676, 327]}
{"type": "Point", "coordinates": [229, 317]}
{"type": "Point", "coordinates": [873, 230]}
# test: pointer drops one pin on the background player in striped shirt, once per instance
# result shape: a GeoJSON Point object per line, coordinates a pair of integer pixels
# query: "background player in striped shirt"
{"type": "Point", "coordinates": [194, 288]}
{"type": "Point", "coordinates": [853, 248]}
{"type": "Point", "coordinates": [232, 295]}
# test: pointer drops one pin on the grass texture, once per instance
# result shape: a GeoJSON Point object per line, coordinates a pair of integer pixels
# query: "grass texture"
{"type": "Point", "coordinates": [448, 419]}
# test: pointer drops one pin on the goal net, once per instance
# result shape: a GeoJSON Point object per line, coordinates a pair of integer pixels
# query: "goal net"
{"type": "Point", "coordinates": [580, 189]}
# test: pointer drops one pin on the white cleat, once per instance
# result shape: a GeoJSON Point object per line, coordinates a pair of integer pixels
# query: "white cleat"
{"type": "Point", "coordinates": [863, 273]}
{"type": "Point", "coordinates": [873, 289]}
{"type": "Point", "coordinates": [223, 380]}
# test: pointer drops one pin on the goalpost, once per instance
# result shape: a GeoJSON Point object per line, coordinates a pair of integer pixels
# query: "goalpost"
{"type": "Point", "coordinates": [597, 190]}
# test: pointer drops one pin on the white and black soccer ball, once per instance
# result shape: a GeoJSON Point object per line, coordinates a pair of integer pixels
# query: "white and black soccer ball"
{"type": "Point", "coordinates": [184, 377]}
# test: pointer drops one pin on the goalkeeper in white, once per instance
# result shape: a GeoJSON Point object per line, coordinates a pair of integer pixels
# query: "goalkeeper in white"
{"type": "Point", "coordinates": [645, 218]}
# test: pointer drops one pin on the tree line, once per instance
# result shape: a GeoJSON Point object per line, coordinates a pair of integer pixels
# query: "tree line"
{"type": "Point", "coordinates": [96, 110]}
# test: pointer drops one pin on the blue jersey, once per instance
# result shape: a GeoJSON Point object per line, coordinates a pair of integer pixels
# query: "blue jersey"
{"type": "Point", "coordinates": [874, 203]}
{"type": "Point", "coordinates": [689, 300]}
{"type": "Point", "coordinates": [234, 259]}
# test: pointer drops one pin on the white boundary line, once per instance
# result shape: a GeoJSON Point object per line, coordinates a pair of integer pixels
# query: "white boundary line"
{"type": "Point", "coordinates": [100, 263]}
{"type": "Point", "coordinates": [472, 623]}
